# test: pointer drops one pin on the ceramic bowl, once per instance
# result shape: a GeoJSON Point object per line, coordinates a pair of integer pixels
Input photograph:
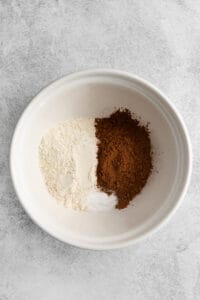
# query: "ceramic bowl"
{"type": "Point", "coordinates": [97, 93]}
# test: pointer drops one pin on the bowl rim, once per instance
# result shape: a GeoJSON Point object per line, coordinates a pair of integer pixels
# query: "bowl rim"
{"type": "Point", "coordinates": [188, 168]}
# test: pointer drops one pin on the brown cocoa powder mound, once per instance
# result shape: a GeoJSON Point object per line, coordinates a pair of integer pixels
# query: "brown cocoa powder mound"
{"type": "Point", "coordinates": [124, 156]}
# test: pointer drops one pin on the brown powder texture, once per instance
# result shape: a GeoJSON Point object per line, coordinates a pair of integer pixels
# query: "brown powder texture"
{"type": "Point", "coordinates": [124, 156]}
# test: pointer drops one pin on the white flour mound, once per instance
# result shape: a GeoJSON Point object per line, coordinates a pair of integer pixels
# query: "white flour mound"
{"type": "Point", "coordinates": [68, 162]}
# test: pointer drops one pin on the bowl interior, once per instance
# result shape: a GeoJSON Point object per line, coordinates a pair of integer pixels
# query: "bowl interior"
{"type": "Point", "coordinates": [92, 95]}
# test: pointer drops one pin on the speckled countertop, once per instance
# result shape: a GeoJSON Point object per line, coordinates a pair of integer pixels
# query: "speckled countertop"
{"type": "Point", "coordinates": [41, 41]}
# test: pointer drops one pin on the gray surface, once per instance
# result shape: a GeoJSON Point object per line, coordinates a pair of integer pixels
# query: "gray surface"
{"type": "Point", "coordinates": [41, 41]}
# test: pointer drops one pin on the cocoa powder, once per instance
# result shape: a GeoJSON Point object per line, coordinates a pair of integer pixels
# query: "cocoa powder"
{"type": "Point", "coordinates": [124, 156]}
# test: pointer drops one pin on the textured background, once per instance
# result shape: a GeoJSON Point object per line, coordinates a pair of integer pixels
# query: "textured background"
{"type": "Point", "coordinates": [41, 41]}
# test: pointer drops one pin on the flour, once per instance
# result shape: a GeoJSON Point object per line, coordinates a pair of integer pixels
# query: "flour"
{"type": "Point", "coordinates": [68, 162]}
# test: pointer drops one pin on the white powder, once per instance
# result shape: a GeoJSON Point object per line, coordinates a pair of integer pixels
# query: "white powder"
{"type": "Point", "coordinates": [68, 162]}
{"type": "Point", "coordinates": [99, 201]}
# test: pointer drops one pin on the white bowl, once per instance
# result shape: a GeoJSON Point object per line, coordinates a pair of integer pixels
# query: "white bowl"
{"type": "Point", "coordinates": [97, 93]}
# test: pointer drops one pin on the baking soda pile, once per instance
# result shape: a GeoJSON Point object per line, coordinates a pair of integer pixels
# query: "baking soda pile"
{"type": "Point", "coordinates": [96, 164]}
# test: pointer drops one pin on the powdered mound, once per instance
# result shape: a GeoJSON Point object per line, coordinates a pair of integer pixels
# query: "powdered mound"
{"type": "Point", "coordinates": [68, 161]}
{"type": "Point", "coordinates": [124, 156]}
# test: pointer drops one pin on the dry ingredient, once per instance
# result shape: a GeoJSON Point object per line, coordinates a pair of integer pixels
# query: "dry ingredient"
{"type": "Point", "coordinates": [100, 201]}
{"type": "Point", "coordinates": [124, 156]}
{"type": "Point", "coordinates": [96, 164]}
{"type": "Point", "coordinates": [68, 161]}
